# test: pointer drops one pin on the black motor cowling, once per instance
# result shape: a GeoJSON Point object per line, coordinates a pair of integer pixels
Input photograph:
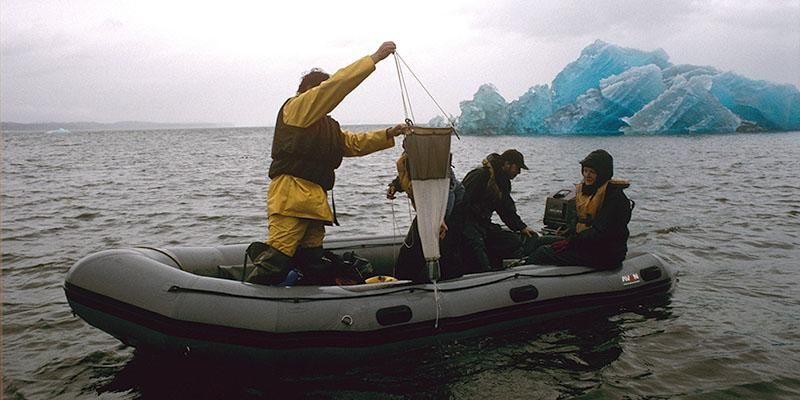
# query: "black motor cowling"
{"type": "Point", "coordinates": [557, 210]}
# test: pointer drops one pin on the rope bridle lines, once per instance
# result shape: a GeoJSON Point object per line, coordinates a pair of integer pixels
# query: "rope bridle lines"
{"type": "Point", "coordinates": [404, 89]}
{"type": "Point", "coordinates": [406, 98]}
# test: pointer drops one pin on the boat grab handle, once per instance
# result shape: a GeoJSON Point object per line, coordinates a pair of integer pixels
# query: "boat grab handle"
{"type": "Point", "coordinates": [164, 252]}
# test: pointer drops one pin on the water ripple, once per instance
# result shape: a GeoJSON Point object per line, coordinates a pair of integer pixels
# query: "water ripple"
{"type": "Point", "coordinates": [715, 207]}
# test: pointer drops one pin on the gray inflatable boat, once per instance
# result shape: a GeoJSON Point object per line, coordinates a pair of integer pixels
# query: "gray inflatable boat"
{"type": "Point", "coordinates": [187, 300]}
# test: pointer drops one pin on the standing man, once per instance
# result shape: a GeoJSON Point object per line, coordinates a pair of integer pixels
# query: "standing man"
{"type": "Point", "coordinates": [307, 147]}
{"type": "Point", "coordinates": [487, 189]}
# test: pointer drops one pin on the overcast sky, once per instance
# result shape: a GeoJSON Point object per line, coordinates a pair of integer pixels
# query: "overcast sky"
{"type": "Point", "coordinates": [236, 62]}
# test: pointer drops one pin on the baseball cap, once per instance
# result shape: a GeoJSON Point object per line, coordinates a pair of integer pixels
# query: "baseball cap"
{"type": "Point", "coordinates": [515, 157]}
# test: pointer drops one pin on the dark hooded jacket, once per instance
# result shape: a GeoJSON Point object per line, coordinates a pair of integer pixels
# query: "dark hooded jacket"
{"type": "Point", "coordinates": [604, 243]}
{"type": "Point", "coordinates": [483, 245]}
{"type": "Point", "coordinates": [488, 190]}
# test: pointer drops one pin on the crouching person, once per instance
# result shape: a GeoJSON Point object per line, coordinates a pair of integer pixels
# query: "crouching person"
{"type": "Point", "coordinates": [597, 233]}
{"type": "Point", "coordinates": [487, 189]}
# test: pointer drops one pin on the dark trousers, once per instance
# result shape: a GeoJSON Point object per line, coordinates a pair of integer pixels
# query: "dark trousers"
{"type": "Point", "coordinates": [546, 255]}
{"type": "Point", "coordinates": [485, 246]}
{"type": "Point", "coordinates": [411, 263]}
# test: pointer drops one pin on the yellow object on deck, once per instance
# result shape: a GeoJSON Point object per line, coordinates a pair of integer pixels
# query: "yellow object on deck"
{"type": "Point", "coordinates": [380, 279]}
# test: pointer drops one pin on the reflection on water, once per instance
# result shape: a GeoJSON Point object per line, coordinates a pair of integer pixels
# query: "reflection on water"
{"type": "Point", "coordinates": [574, 349]}
{"type": "Point", "coordinates": [721, 209]}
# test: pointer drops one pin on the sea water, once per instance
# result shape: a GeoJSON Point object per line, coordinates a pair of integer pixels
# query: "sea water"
{"type": "Point", "coordinates": [723, 210]}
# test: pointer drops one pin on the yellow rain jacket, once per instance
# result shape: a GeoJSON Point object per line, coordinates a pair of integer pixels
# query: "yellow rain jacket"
{"type": "Point", "coordinates": [292, 196]}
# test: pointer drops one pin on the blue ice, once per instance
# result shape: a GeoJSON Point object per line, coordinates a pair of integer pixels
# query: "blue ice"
{"type": "Point", "coordinates": [614, 90]}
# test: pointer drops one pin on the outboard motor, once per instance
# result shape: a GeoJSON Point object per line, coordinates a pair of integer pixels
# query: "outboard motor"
{"type": "Point", "coordinates": [557, 208]}
{"type": "Point", "coordinates": [557, 212]}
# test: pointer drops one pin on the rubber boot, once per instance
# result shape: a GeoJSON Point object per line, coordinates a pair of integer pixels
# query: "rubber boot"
{"type": "Point", "coordinates": [270, 264]}
{"type": "Point", "coordinates": [315, 271]}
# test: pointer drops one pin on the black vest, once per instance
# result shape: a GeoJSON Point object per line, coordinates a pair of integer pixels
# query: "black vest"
{"type": "Point", "coordinates": [311, 153]}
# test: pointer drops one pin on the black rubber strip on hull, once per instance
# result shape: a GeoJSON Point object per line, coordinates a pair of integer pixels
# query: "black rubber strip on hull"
{"type": "Point", "coordinates": [352, 339]}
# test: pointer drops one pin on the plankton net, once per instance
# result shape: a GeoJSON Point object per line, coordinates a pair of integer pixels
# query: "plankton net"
{"type": "Point", "coordinates": [428, 151]}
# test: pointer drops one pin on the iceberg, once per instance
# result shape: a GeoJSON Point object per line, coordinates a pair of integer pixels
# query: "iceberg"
{"type": "Point", "coordinates": [598, 61]}
{"type": "Point", "coordinates": [611, 90]}
{"type": "Point", "coordinates": [687, 71]}
{"type": "Point", "coordinates": [485, 114]}
{"type": "Point", "coordinates": [686, 107]}
{"type": "Point", "coordinates": [768, 105]}
{"type": "Point", "coordinates": [634, 88]}
{"type": "Point", "coordinates": [438, 121]}
{"type": "Point", "coordinates": [590, 113]}
{"type": "Point", "coordinates": [526, 115]}
{"type": "Point", "coordinates": [601, 111]}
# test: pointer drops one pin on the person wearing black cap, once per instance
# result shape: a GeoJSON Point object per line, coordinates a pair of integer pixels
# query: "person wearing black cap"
{"type": "Point", "coordinates": [487, 189]}
{"type": "Point", "coordinates": [598, 230]}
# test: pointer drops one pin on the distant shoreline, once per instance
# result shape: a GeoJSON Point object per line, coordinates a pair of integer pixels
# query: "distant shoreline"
{"type": "Point", "coordinates": [121, 125]}
{"type": "Point", "coordinates": [135, 125]}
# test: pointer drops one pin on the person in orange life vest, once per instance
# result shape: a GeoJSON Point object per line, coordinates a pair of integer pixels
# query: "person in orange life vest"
{"type": "Point", "coordinates": [598, 233]}
{"type": "Point", "coordinates": [307, 147]}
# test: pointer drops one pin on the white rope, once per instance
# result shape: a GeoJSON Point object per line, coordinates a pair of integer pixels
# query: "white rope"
{"type": "Point", "coordinates": [445, 114]}
{"type": "Point", "coordinates": [406, 99]}
{"type": "Point", "coordinates": [437, 303]}
{"type": "Point", "coordinates": [400, 79]}
{"type": "Point", "coordinates": [410, 221]}
{"type": "Point", "coordinates": [395, 247]}
{"type": "Point", "coordinates": [403, 90]}
{"type": "Point", "coordinates": [408, 245]}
